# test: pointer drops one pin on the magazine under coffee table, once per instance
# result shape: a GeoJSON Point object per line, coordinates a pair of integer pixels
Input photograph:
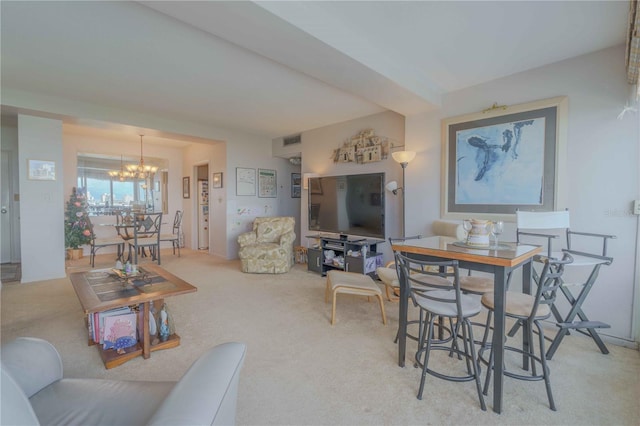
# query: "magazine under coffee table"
{"type": "Point", "coordinates": [103, 289]}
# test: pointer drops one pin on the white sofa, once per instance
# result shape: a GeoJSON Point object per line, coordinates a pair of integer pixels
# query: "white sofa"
{"type": "Point", "coordinates": [34, 391]}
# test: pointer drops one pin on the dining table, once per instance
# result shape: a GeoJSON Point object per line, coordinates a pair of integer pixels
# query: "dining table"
{"type": "Point", "coordinates": [500, 259]}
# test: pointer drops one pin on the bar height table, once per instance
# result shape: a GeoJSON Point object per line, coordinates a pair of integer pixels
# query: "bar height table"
{"type": "Point", "coordinates": [500, 262]}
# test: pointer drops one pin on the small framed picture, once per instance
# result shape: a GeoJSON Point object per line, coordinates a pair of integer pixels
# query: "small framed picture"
{"type": "Point", "coordinates": [41, 170]}
{"type": "Point", "coordinates": [217, 180]}
{"type": "Point", "coordinates": [267, 183]}
{"type": "Point", "coordinates": [186, 187]}
{"type": "Point", "coordinates": [296, 181]}
{"type": "Point", "coordinates": [245, 181]}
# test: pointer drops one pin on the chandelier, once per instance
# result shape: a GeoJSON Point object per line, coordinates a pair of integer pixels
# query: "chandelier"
{"type": "Point", "coordinates": [140, 171]}
{"type": "Point", "coordinates": [121, 174]}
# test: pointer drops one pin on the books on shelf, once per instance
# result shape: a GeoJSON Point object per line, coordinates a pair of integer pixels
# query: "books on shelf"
{"type": "Point", "coordinates": [96, 322]}
{"type": "Point", "coordinates": [120, 331]}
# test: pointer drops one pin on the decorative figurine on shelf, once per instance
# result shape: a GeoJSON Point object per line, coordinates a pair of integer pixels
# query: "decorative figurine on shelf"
{"type": "Point", "coordinates": [166, 323]}
{"type": "Point", "coordinates": [153, 326]}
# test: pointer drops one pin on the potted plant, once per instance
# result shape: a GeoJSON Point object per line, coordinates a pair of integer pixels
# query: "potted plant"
{"type": "Point", "coordinates": [77, 230]}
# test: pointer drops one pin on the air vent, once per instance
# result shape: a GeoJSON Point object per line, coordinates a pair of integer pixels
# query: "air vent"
{"type": "Point", "coordinates": [291, 140]}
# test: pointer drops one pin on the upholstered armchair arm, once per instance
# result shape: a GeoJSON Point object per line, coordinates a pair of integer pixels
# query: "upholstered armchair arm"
{"type": "Point", "coordinates": [287, 239]}
{"type": "Point", "coordinates": [33, 363]}
{"type": "Point", "coordinates": [207, 393]}
{"type": "Point", "coordinates": [247, 238]}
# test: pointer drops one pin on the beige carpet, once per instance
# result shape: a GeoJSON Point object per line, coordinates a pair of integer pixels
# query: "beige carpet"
{"type": "Point", "coordinates": [302, 371]}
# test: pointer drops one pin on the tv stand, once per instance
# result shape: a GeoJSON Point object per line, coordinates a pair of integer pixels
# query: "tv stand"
{"type": "Point", "coordinates": [357, 255]}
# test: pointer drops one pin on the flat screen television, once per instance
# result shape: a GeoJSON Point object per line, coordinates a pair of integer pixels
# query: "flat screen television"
{"type": "Point", "coordinates": [350, 205]}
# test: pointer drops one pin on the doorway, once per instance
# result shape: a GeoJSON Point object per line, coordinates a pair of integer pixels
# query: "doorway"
{"type": "Point", "coordinates": [202, 174]}
{"type": "Point", "coordinates": [7, 209]}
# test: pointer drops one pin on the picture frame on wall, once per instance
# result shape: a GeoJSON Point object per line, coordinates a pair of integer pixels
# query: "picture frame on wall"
{"type": "Point", "coordinates": [267, 183]}
{"type": "Point", "coordinates": [41, 170]}
{"type": "Point", "coordinates": [503, 159]}
{"type": "Point", "coordinates": [216, 180]}
{"type": "Point", "coordinates": [245, 181]}
{"type": "Point", "coordinates": [186, 187]}
{"type": "Point", "coordinates": [296, 185]}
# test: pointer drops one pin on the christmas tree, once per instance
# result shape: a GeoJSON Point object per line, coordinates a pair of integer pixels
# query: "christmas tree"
{"type": "Point", "coordinates": [77, 230]}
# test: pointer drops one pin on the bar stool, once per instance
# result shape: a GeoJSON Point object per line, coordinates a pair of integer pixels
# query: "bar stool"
{"type": "Point", "coordinates": [528, 311]}
{"type": "Point", "coordinates": [442, 301]}
{"type": "Point", "coordinates": [389, 276]}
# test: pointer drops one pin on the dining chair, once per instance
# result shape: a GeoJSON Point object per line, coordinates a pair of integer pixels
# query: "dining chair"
{"type": "Point", "coordinates": [441, 297]}
{"type": "Point", "coordinates": [528, 311]}
{"type": "Point", "coordinates": [124, 222]}
{"type": "Point", "coordinates": [174, 237]}
{"type": "Point", "coordinates": [146, 234]}
{"type": "Point", "coordinates": [98, 243]}
{"type": "Point", "coordinates": [552, 226]}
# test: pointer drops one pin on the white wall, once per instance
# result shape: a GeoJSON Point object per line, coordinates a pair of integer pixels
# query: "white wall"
{"type": "Point", "coordinates": [41, 202]}
{"type": "Point", "coordinates": [602, 163]}
{"type": "Point", "coordinates": [254, 152]}
{"type": "Point", "coordinates": [317, 157]}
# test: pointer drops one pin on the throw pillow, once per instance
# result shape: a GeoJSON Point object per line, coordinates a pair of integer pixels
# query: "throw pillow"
{"type": "Point", "coordinates": [267, 233]}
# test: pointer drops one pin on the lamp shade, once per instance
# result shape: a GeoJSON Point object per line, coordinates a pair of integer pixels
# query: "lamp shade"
{"type": "Point", "coordinates": [391, 186]}
{"type": "Point", "coordinates": [403, 156]}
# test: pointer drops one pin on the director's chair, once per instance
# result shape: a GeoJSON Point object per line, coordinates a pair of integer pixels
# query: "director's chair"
{"type": "Point", "coordinates": [557, 222]}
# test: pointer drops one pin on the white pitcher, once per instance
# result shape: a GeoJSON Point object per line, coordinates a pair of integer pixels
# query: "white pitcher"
{"type": "Point", "coordinates": [479, 233]}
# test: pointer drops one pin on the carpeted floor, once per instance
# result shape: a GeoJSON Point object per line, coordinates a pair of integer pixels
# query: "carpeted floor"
{"type": "Point", "coordinates": [9, 272]}
{"type": "Point", "coordinates": [300, 370]}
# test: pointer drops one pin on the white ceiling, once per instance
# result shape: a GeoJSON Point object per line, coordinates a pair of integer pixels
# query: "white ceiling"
{"type": "Point", "coordinates": [278, 68]}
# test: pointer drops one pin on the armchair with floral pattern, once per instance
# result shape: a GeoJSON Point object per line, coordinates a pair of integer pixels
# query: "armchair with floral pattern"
{"type": "Point", "coordinates": [268, 249]}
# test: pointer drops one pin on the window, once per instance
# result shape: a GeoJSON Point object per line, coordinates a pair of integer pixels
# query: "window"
{"type": "Point", "coordinates": [107, 194]}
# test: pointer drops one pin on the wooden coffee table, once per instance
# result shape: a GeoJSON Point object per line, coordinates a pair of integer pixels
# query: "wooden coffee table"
{"type": "Point", "coordinates": [101, 289]}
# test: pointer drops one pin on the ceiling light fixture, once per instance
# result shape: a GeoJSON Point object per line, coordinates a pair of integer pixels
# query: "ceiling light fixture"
{"type": "Point", "coordinates": [140, 171]}
{"type": "Point", "coordinates": [121, 174]}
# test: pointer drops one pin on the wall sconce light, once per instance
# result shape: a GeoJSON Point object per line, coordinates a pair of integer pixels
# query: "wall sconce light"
{"type": "Point", "coordinates": [392, 187]}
